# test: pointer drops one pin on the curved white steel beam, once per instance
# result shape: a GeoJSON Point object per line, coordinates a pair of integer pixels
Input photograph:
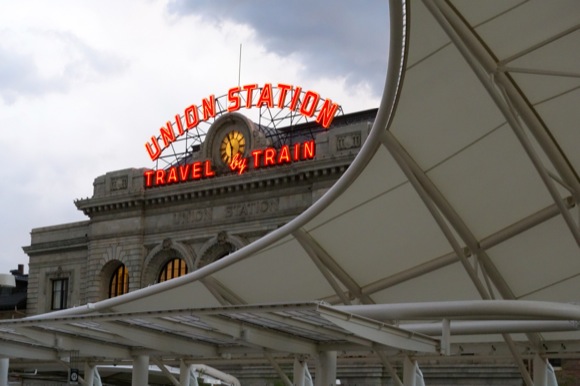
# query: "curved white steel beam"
{"type": "Point", "coordinates": [478, 327]}
{"type": "Point", "coordinates": [468, 309]}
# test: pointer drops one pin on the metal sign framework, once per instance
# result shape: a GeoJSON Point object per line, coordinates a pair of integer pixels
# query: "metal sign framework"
{"type": "Point", "coordinates": [278, 124]}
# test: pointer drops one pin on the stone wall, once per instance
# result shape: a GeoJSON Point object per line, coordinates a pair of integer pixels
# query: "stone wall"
{"type": "Point", "coordinates": [56, 252]}
{"type": "Point", "coordinates": [201, 220]}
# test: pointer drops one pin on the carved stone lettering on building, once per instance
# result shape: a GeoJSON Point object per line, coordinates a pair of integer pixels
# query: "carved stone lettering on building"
{"type": "Point", "coordinates": [253, 208]}
{"type": "Point", "coordinates": [119, 183]}
{"type": "Point", "coordinates": [348, 141]}
{"type": "Point", "coordinates": [192, 216]}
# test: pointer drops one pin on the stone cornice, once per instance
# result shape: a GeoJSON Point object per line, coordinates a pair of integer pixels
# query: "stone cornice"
{"type": "Point", "coordinates": [90, 206]}
{"type": "Point", "coordinates": [217, 187]}
{"type": "Point", "coordinates": [78, 243]}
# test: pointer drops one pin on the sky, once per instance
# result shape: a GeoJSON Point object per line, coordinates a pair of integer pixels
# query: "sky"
{"type": "Point", "coordinates": [84, 84]}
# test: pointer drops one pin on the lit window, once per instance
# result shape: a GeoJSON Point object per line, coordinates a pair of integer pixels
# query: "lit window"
{"type": "Point", "coordinates": [174, 268]}
{"type": "Point", "coordinates": [59, 294]}
{"type": "Point", "coordinates": [119, 282]}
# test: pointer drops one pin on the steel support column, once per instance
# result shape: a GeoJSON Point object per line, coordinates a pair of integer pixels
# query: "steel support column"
{"type": "Point", "coordinates": [222, 294]}
{"type": "Point", "coordinates": [320, 256]}
{"type": "Point", "coordinates": [4, 364]}
{"type": "Point", "coordinates": [299, 372]}
{"type": "Point", "coordinates": [321, 267]}
{"type": "Point", "coordinates": [543, 372]}
{"type": "Point", "coordinates": [184, 373]}
{"type": "Point", "coordinates": [445, 337]}
{"type": "Point", "coordinates": [89, 374]}
{"type": "Point", "coordinates": [165, 371]}
{"type": "Point", "coordinates": [411, 373]}
{"type": "Point", "coordinates": [97, 380]}
{"type": "Point", "coordinates": [438, 207]}
{"type": "Point", "coordinates": [450, 258]}
{"type": "Point", "coordinates": [278, 369]}
{"type": "Point", "coordinates": [140, 370]}
{"type": "Point", "coordinates": [392, 372]}
{"type": "Point", "coordinates": [326, 371]}
{"type": "Point", "coordinates": [518, 360]}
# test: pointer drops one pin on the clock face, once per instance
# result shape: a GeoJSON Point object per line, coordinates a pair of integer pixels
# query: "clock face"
{"type": "Point", "coordinates": [233, 143]}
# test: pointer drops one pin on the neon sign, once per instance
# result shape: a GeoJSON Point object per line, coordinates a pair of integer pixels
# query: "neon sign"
{"type": "Point", "coordinates": [259, 158]}
{"type": "Point", "coordinates": [307, 103]}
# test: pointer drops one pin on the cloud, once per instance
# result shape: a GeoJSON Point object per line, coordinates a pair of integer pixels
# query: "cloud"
{"type": "Point", "coordinates": [331, 37]}
{"type": "Point", "coordinates": [19, 76]}
{"type": "Point", "coordinates": [39, 62]}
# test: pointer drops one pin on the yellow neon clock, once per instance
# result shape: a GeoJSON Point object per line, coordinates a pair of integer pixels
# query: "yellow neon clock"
{"type": "Point", "coordinates": [233, 143]}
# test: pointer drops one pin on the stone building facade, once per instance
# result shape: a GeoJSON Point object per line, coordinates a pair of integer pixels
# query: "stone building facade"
{"type": "Point", "coordinates": [198, 221]}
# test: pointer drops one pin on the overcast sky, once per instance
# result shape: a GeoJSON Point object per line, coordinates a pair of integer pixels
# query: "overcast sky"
{"type": "Point", "coordinates": [83, 85]}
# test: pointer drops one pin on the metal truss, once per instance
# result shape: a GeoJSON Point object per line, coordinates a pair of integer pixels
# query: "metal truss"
{"type": "Point", "coordinates": [277, 124]}
{"type": "Point", "coordinates": [518, 114]}
{"type": "Point", "coordinates": [515, 108]}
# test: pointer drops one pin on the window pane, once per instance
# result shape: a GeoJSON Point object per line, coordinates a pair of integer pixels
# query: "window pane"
{"type": "Point", "coordinates": [59, 294]}
{"type": "Point", "coordinates": [119, 284]}
{"type": "Point", "coordinates": [173, 268]}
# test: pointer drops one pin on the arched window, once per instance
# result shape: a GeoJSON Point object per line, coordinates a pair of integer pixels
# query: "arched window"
{"type": "Point", "coordinates": [174, 268]}
{"type": "Point", "coordinates": [119, 282]}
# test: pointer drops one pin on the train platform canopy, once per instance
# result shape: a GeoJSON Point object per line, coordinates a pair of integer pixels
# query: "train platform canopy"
{"type": "Point", "coordinates": [455, 230]}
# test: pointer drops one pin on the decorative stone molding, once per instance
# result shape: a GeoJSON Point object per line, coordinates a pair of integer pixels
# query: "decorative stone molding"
{"type": "Point", "coordinates": [253, 208]}
{"type": "Point", "coordinates": [193, 216]}
{"type": "Point", "coordinates": [113, 252]}
{"type": "Point", "coordinates": [105, 275]}
{"type": "Point", "coordinates": [92, 206]}
{"type": "Point", "coordinates": [119, 183]}
{"type": "Point", "coordinates": [57, 274]}
{"type": "Point", "coordinates": [166, 244]}
{"type": "Point", "coordinates": [217, 247]}
{"type": "Point", "coordinates": [160, 254]}
{"type": "Point", "coordinates": [349, 141]}
{"type": "Point", "coordinates": [114, 256]}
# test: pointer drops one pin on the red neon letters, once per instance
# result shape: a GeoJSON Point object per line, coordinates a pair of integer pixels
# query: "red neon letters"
{"type": "Point", "coordinates": [181, 173]}
{"type": "Point", "coordinates": [259, 158]}
{"type": "Point", "coordinates": [272, 157]}
{"type": "Point", "coordinates": [307, 103]}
